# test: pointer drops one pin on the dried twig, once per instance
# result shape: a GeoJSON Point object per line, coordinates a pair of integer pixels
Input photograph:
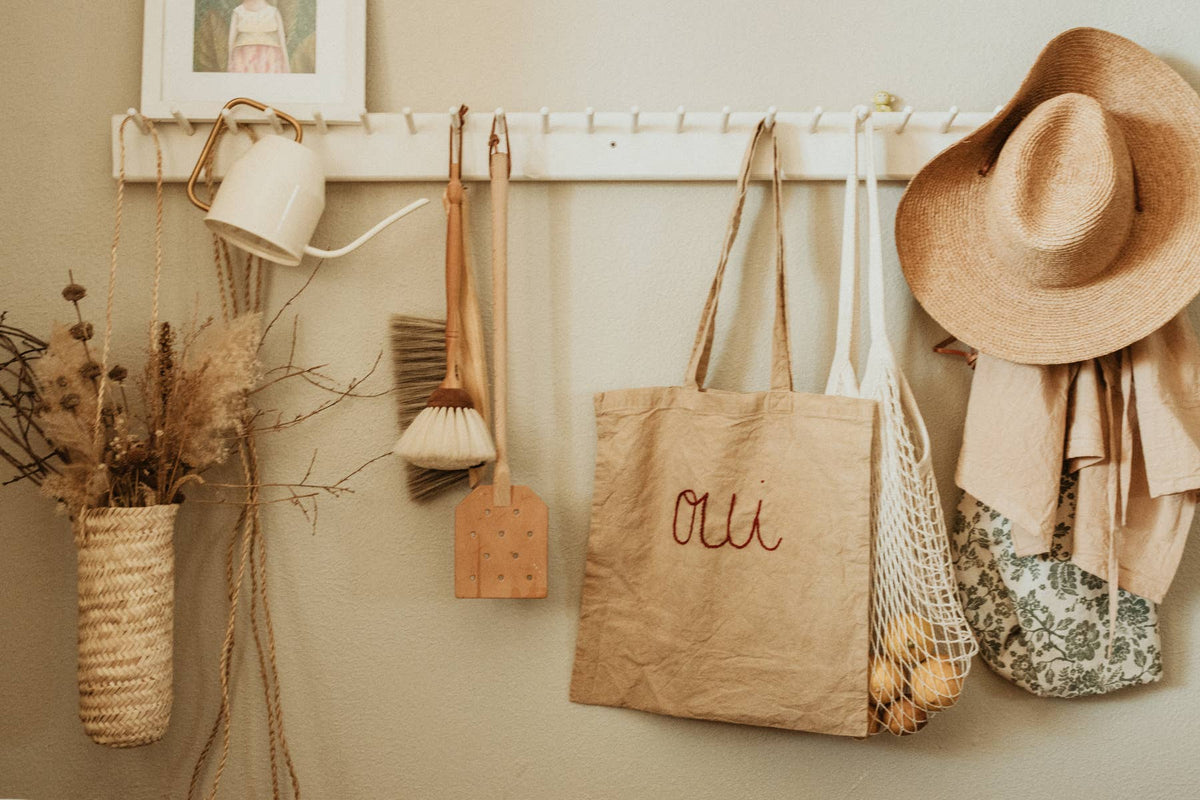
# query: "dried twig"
{"type": "Point", "coordinates": [287, 304]}
{"type": "Point", "coordinates": [24, 445]}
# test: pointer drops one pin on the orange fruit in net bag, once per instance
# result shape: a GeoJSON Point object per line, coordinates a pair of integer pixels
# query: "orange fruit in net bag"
{"type": "Point", "coordinates": [903, 717]}
{"type": "Point", "coordinates": [886, 680]}
{"type": "Point", "coordinates": [909, 639]}
{"type": "Point", "coordinates": [935, 683]}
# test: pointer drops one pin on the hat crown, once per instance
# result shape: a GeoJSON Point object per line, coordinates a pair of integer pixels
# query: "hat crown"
{"type": "Point", "coordinates": [1062, 193]}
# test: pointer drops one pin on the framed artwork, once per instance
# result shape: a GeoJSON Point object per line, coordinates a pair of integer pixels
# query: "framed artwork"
{"type": "Point", "coordinates": [295, 55]}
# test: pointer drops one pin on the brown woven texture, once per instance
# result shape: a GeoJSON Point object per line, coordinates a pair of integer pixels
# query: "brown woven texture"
{"type": "Point", "coordinates": [126, 603]}
{"type": "Point", "coordinates": [1078, 255]}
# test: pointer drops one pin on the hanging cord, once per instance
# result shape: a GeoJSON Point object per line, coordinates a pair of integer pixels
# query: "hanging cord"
{"type": "Point", "coordinates": [247, 548]}
{"type": "Point", "coordinates": [106, 347]}
{"type": "Point", "coordinates": [221, 258]}
{"type": "Point", "coordinates": [221, 724]}
{"type": "Point", "coordinates": [112, 263]}
{"type": "Point", "coordinates": [112, 282]}
{"type": "Point", "coordinates": [249, 543]}
{"type": "Point", "coordinates": [498, 135]}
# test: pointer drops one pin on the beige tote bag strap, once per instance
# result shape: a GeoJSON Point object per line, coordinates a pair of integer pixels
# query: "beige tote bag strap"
{"type": "Point", "coordinates": [781, 368]}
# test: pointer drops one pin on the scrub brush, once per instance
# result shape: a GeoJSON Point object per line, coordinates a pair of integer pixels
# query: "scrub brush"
{"type": "Point", "coordinates": [450, 433]}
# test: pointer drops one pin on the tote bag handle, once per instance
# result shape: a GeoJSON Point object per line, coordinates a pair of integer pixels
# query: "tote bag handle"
{"type": "Point", "coordinates": [781, 367]}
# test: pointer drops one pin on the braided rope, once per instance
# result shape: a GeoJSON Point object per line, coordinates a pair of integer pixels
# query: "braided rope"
{"type": "Point", "coordinates": [221, 724]}
{"type": "Point", "coordinates": [216, 240]}
{"type": "Point", "coordinates": [259, 576]}
{"type": "Point", "coordinates": [159, 205]}
{"type": "Point", "coordinates": [249, 544]}
{"type": "Point", "coordinates": [219, 247]}
{"type": "Point", "coordinates": [226, 652]}
{"type": "Point", "coordinates": [246, 282]}
{"type": "Point", "coordinates": [158, 235]}
{"type": "Point", "coordinates": [272, 735]}
{"type": "Point", "coordinates": [112, 282]}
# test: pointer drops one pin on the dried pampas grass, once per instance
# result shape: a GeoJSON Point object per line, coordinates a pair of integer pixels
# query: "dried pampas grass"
{"type": "Point", "coordinates": [67, 416]}
{"type": "Point", "coordinates": [192, 405]}
{"type": "Point", "coordinates": [202, 393]}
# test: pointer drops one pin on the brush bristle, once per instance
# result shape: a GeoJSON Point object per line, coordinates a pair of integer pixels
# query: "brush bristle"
{"type": "Point", "coordinates": [447, 437]}
{"type": "Point", "coordinates": [419, 365]}
{"type": "Point", "coordinates": [419, 362]}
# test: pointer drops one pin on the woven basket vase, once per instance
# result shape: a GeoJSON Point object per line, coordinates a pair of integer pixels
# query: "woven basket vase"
{"type": "Point", "coordinates": [126, 621]}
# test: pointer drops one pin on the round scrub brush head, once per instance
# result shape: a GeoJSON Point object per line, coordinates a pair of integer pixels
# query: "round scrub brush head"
{"type": "Point", "coordinates": [448, 434]}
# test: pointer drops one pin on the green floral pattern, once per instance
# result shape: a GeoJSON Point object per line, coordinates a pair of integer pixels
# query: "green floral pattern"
{"type": "Point", "coordinates": [1041, 621]}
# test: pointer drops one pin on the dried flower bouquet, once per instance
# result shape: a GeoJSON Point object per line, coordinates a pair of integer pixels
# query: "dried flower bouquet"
{"type": "Point", "coordinates": [125, 449]}
{"type": "Point", "coordinates": [189, 403]}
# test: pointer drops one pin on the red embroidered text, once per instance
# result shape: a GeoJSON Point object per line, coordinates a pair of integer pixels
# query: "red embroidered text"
{"type": "Point", "coordinates": [698, 507]}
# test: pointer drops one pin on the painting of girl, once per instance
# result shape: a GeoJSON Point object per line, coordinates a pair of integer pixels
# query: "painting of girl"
{"type": "Point", "coordinates": [257, 42]}
{"type": "Point", "coordinates": [255, 36]}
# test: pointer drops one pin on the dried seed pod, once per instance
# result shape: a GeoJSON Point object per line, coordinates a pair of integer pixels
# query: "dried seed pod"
{"type": "Point", "coordinates": [118, 373]}
{"type": "Point", "coordinates": [90, 370]}
{"type": "Point", "coordinates": [138, 455]}
{"type": "Point", "coordinates": [82, 331]}
{"type": "Point", "coordinates": [74, 293]}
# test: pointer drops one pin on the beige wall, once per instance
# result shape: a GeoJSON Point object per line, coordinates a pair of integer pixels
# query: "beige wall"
{"type": "Point", "coordinates": [391, 687]}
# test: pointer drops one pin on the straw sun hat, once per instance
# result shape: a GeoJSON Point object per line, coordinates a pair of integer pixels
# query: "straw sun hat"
{"type": "Point", "coordinates": [1068, 226]}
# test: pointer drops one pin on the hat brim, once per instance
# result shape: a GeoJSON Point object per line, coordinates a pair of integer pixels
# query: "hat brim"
{"type": "Point", "coordinates": [986, 302]}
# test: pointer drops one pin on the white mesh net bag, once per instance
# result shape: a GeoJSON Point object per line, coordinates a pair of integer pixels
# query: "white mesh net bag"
{"type": "Point", "coordinates": [921, 645]}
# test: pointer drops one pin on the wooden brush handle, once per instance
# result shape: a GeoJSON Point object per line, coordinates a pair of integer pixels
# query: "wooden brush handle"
{"type": "Point", "coordinates": [502, 478]}
{"type": "Point", "coordinates": [455, 261]}
{"type": "Point", "coordinates": [472, 363]}
{"type": "Point", "coordinates": [454, 271]}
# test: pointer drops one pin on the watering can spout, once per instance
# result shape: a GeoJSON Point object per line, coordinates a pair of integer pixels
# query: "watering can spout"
{"type": "Point", "coordinates": [383, 223]}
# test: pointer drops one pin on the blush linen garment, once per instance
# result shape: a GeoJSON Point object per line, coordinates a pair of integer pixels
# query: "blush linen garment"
{"type": "Point", "coordinates": [1127, 424]}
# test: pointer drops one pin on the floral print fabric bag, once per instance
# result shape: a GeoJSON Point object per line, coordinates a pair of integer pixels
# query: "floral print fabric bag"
{"type": "Point", "coordinates": [1040, 620]}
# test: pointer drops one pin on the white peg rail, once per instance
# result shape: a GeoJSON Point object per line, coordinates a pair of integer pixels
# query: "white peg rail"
{"type": "Point", "coordinates": [630, 145]}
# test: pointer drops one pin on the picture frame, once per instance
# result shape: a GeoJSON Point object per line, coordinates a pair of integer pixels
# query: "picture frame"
{"type": "Point", "coordinates": [298, 56]}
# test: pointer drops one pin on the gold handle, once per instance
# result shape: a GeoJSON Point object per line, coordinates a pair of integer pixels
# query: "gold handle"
{"type": "Point", "coordinates": [212, 140]}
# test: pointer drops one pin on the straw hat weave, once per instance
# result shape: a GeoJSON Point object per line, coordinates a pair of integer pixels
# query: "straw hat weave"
{"type": "Point", "coordinates": [1068, 226]}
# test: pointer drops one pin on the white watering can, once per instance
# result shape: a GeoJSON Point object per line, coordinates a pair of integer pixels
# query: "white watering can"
{"type": "Point", "coordinates": [272, 197]}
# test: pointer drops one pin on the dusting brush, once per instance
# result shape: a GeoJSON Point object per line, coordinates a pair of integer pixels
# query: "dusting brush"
{"type": "Point", "coordinates": [450, 433]}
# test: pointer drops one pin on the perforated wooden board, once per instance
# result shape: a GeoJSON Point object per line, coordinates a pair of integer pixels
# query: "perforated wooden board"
{"type": "Point", "coordinates": [501, 551]}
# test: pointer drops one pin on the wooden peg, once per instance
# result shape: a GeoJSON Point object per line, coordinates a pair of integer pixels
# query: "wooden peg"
{"type": "Point", "coordinates": [184, 123]}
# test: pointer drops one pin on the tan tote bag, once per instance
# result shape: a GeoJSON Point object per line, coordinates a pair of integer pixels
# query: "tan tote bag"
{"type": "Point", "coordinates": [728, 567]}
